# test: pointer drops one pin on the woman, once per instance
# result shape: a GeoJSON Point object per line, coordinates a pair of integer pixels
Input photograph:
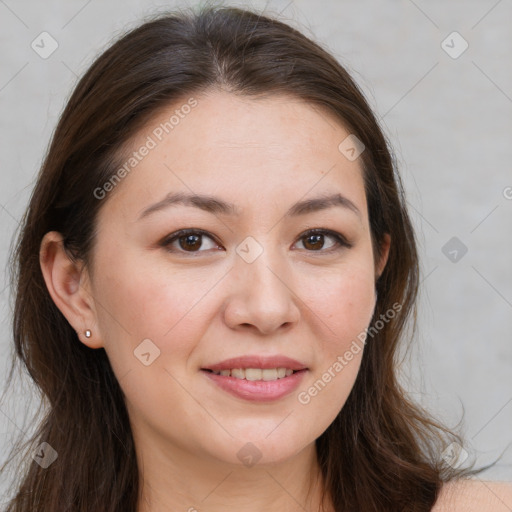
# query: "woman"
{"type": "Point", "coordinates": [213, 276]}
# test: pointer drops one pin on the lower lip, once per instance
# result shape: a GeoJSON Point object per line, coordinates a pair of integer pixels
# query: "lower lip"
{"type": "Point", "coordinates": [257, 390]}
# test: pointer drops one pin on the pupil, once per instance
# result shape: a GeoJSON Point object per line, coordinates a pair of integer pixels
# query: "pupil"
{"type": "Point", "coordinates": [316, 238]}
{"type": "Point", "coordinates": [193, 241]}
{"type": "Point", "coordinates": [190, 240]}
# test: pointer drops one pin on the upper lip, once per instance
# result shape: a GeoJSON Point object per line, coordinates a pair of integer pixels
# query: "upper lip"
{"type": "Point", "coordinates": [255, 361]}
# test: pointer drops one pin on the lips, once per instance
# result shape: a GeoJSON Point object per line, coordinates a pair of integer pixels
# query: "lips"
{"type": "Point", "coordinates": [262, 362]}
{"type": "Point", "coordinates": [269, 388]}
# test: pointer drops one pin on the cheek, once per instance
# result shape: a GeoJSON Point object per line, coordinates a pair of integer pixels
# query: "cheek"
{"type": "Point", "coordinates": [142, 301]}
{"type": "Point", "coordinates": [344, 306]}
{"type": "Point", "coordinates": [139, 303]}
{"type": "Point", "coordinates": [348, 301]}
{"type": "Point", "coordinates": [344, 300]}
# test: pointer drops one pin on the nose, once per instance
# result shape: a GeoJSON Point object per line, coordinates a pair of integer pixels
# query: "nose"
{"type": "Point", "coordinates": [262, 298]}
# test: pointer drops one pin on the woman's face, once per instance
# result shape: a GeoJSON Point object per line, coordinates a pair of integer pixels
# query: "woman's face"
{"type": "Point", "coordinates": [248, 282]}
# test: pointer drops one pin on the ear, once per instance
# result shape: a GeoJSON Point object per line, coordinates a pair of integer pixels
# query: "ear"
{"type": "Point", "coordinates": [384, 250]}
{"type": "Point", "coordinates": [68, 286]}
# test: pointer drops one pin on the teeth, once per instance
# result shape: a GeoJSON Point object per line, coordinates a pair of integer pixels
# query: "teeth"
{"type": "Point", "coordinates": [256, 373]}
{"type": "Point", "coordinates": [253, 373]}
{"type": "Point", "coordinates": [238, 373]}
{"type": "Point", "coordinates": [269, 374]}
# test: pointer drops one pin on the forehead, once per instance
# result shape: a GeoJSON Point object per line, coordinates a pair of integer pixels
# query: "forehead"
{"type": "Point", "coordinates": [250, 151]}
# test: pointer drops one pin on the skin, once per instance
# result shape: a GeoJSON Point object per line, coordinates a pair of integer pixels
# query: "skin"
{"type": "Point", "coordinates": [474, 496]}
{"type": "Point", "coordinates": [303, 301]}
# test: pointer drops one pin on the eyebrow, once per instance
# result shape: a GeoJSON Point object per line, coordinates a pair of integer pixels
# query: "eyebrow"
{"type": "Point", "coordinates": [217, 206]}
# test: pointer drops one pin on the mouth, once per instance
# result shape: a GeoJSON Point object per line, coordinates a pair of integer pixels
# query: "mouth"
{"type": "Point", "coordinates": [255, 374]}
{"type": "Point", "coordinates": [256, 378]}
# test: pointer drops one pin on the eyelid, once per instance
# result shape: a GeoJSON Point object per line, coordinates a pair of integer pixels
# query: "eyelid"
{"type": "Point", "coordinates": [169, 239]}
{"type": "Point", "coordinates": [342, 241]}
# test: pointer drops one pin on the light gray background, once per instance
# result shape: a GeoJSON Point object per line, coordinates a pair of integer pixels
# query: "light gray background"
{"type": "Point", "coordinates": [449, 120]}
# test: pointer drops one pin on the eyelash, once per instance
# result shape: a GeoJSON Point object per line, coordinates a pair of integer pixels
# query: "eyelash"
{"type": "Point", "coordinates": [340, 239]}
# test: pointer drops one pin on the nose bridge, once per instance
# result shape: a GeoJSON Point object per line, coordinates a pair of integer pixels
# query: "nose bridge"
{"type": "Point", "coordinates": [263, 296]}
{"type": "Point", "coordinates": [262, 267]}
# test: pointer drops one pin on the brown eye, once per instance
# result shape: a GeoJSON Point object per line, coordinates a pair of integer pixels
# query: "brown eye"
{"type": "Point", "coordinates": [189, 240]}
{"type": "Point", "coordinates": [314, 240]}
{"type": "Point", "coordinates": [193, 240]}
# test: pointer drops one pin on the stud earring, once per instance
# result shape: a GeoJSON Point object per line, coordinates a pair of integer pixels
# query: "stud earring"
{"type": "Point", "coordinates": [87, 333]}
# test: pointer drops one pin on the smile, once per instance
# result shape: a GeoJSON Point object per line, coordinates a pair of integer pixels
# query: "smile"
{"type": "Point", "coordinates": [255, 374]}
{"type": "Point", "coordinates": [256, 384]}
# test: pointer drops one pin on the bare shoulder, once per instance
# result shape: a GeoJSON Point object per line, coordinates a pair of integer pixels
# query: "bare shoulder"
{"type": "Point", "coordinates": [474, 495]}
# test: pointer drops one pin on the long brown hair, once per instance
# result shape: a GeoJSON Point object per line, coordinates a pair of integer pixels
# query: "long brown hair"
{"type": "Point", "coordinates": [382, 452]}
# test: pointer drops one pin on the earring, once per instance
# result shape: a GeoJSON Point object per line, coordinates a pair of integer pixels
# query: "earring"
{"type": "Point", "coordinates": [87, 333]}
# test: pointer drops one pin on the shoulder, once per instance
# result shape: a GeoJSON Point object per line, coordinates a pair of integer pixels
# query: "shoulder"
{"type": "Point", "coordinates": [474, 495]}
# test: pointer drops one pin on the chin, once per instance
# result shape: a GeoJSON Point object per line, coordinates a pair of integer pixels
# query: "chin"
{"type": "Point", "coordinates": [263, 449]}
